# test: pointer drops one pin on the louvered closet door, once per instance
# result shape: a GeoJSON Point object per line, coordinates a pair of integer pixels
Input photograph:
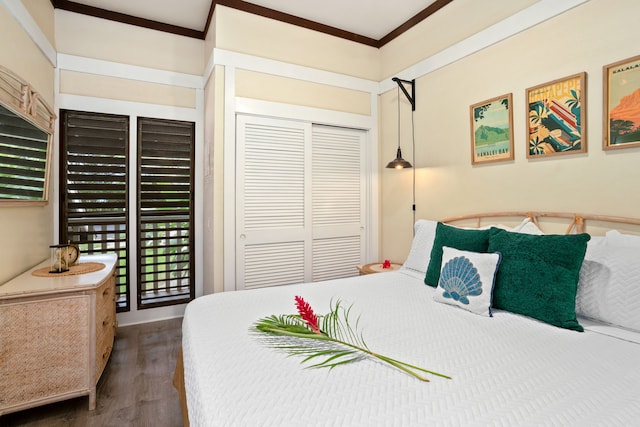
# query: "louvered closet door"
{"type": "Point", "coordinates": [337, 201]}
{"type": "Point", "coordinates": [272, 198]}
{"type": "Point", "coordinates": [299, 202]}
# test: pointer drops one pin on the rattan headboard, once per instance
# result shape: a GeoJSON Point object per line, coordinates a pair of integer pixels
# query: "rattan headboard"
{"type": "Point", "coordinates": [575, 223]}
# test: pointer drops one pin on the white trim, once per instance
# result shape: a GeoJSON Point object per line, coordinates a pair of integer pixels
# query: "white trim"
{"type": "Point", "coordinates": [23, 17]}
{"type": "Point", "coordinates": [198, 197]}
{"type": "Point", "coordinates": [54, 197]}
{"type": "Point", "coordinates": [112, 106]}
{"type": "Point", "coordinates": [134, 317]}
{"type": "Point", "coordinates": [508, 27]}
{"type": "Point", "coordinates": [296, 112]}
{"type": "Point", "coordinates": [229, 189]}
{"type": "Point", "coordinates": [126, 71]}
{"type": "Point", "coordinates": [285, 69]}
{"type": "Point", "coordinates": [132, 223]}
{"type": "Point", "coordinates": [372, 190]}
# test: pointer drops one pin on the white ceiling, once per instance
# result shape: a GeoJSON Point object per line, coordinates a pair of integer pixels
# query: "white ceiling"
{"type": "Point", "coordinates": [370, 18]}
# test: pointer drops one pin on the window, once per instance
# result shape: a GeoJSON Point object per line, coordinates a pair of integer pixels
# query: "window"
{"type": "Point", "coordinates": [94, 186]}
{"type": "Point", "coordinates": [94, 201]}
{"type": "Point", "coordinates": [165, 212]}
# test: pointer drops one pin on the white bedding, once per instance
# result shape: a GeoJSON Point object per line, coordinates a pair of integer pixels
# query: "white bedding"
{"type": "Point", "coordinates": [507, 370]}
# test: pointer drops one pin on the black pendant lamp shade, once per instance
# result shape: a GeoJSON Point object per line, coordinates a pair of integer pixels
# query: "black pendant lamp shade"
{"type": "Point", "coordinates": [399, 162]}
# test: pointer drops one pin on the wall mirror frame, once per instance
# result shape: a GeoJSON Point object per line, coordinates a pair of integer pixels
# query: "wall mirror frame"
{"type": "Point", "coordinates": [26, 143]}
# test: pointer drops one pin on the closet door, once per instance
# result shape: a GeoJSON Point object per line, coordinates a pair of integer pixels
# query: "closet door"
{"type": "Point", "coordinates": [272, 202]}
{"type": "Point", "coordinates": [299, 203]}
{"type": "Point", "coordinates": [337, 201]}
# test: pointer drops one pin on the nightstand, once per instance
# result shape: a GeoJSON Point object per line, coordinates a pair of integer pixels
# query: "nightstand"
{"type": "Point", "coordinates": [376, 267]}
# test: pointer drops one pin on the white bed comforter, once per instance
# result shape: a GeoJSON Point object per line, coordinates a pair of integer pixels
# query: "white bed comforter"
{"type": "Point", "coordinates": [507, 370]}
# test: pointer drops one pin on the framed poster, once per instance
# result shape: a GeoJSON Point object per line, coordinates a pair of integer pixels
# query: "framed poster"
{"type": "Point", "coordinates": [492, 130]}
{"type": "Point", "coordinates": [621, 111]}
{"type": "Point", "coordinates": [556, 112]}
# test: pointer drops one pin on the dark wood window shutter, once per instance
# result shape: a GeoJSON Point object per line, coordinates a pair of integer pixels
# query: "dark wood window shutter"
{"type": "Point", "coordinates": [165, 212]}
{"type": "Point", "coordinates": [94, 188]}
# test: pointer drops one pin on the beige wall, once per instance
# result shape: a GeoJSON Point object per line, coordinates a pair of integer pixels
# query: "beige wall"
{"type": "Point", "coordinates": [272, 88]}
{"type": "Point", "coordinates": [26, 232]}
{"type": "Point", "coordinates": [448, 26]}
{"type": "Point", "coordinates": [582, 39]}
{"type": "Point", "coordinates": [42, 12]}
{"type": "Point", "coordinates": [254, 35]}
{"type": "Point", "coordinates": [86, 84]}
{"type": "Point", "coordinates": [96, 38]}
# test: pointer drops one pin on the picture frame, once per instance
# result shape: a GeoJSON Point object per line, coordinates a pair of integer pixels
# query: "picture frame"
{"type": "Point", "coordinates": [556, 114]}
{"type": "Point", "coordinates": [621, 109]}
{"type": "Point", "coordinates": [492, 130]}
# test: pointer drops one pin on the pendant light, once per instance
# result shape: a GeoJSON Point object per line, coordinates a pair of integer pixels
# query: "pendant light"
{"type": "Point", "coordinates": [399, 162]}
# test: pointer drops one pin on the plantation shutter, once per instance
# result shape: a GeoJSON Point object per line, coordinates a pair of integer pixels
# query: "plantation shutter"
{"type": "Point", "coordinates": [166, 268]}
{"type": "Point", "coordinates": [23, 158]}
{"type": "Point", "coordinates": [299, 202]}
{"type": "Point", "coordinates": [93, 188]}
{"type": "Point", "coordinates": [337, 202]}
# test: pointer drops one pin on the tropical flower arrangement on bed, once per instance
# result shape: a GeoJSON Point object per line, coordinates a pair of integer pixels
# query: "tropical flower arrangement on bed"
{"type": "Point", "coordinates": [326, 341]}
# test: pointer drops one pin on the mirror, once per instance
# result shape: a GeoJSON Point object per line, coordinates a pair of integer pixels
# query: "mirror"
{"type": "Point", "coordinates": [26, 128]}
{"type": "Point", "coordinates": [23, 158]}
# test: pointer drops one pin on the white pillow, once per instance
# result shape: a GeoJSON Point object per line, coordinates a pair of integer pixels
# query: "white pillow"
{"type": "Point", "coordinates": [425, 232]}
{"type": "Point", "coordinates": [617, 238]}
{"type": "Point", "coordinates": [527, 227]}
{"type": "Point", "coordinates": [467, 279]}
{"type": "Point", "coordinates": [608, 289]}
{"type": "Point", "coordinates": [418, 259]}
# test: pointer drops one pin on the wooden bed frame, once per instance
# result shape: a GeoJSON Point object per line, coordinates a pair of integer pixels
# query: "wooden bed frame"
{"type": "Point", "coordinates": [574, 223]}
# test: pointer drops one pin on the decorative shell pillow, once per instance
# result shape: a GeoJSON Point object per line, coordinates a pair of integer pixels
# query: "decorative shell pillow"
{"type": "Point", "coordinates": [467, 279]}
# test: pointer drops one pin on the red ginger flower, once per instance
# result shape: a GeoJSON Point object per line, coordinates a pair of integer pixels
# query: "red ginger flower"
{"type": "Point", "coordinates": [307, 314]}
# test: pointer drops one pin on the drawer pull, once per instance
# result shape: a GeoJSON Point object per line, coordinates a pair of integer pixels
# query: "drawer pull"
{"type": "Point", "coordinates": [105, 292]}
{"type": "Point", "coordinates": [106, 353]}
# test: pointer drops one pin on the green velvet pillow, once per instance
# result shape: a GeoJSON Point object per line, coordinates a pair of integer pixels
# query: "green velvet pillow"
{"type": "Point", "coordinates": [538, 275]}
{"type": "Point", "coordinates": [453, 237]}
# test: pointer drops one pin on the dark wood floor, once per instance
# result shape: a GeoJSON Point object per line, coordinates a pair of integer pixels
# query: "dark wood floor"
{"type": "Point", "coordinates": [135, 388]}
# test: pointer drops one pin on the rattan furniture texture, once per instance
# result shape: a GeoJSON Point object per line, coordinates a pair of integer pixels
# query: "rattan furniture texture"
{"type": "Point", "coordinates": [56, 335]}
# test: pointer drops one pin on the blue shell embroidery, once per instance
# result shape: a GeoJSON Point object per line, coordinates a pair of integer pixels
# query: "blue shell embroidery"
{"type": "Point", "coordinates": [460, 279]}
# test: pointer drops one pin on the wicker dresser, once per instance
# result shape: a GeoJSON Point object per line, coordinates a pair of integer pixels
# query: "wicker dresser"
{"type": "Point", "coordinates": [56, 334]}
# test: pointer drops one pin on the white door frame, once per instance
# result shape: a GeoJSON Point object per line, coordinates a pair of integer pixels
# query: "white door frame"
{"type": "Point", "coordinates": [235, 105]}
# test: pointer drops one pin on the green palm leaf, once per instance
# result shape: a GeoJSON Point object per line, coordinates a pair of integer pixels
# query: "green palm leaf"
{"type": "Point", "coordinates": [337, 343]}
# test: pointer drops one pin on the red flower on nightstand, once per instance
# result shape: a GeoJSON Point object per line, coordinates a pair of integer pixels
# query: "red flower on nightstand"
{"type": "Point", "coordinates": [386, 264]}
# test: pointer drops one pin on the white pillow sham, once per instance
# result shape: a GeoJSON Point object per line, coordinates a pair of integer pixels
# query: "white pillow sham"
{"type": "Point", "coordinates": [608, 289]}
{"type": "Point", "coordinates": [418, 259]}
{"type": "Point", "coordinates": [425, 232]}
{"type": "Point", "coordinates": [614, 237]}
{"type": "Point", "coordinates": [467, 279]}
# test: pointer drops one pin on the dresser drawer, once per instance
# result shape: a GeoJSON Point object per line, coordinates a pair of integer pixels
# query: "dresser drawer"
{"type": "Point", "coordinates": [105, 323]}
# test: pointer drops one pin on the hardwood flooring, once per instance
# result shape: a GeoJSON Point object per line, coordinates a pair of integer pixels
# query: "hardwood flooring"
{"type": "Point", "coordinates": [135, 388]}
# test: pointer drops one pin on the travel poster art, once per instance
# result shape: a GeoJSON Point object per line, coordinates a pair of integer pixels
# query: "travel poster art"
{"type": "Point", "coordinates": [622, 104]}
{"type": "Point", "coordinates": [556, 114]}
{"type": "Point", "coordinates": [492, 130]}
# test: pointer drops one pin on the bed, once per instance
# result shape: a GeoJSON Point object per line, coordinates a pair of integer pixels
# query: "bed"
{"type": "Point", "coordinates": [507, 368]}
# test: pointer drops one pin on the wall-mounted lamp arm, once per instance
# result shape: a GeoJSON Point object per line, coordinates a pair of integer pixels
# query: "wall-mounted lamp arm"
{"type": "Point", "coordinates": [412, 97]}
